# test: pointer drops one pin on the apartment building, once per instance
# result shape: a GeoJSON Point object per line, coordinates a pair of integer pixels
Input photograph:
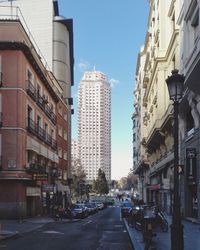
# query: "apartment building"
{"type": "Point", "coordinates": [140, 160]}
{"type": "Point", "coordinates": [161, 53]}
{"type": "Point", "coordinates": [189, 112]}
{"type": "Point", "coordinates": [28, 124]}
{"type": "Point", "coordinates": [94, 124]}
{"type": "Point", "coordinates": [57, 188]}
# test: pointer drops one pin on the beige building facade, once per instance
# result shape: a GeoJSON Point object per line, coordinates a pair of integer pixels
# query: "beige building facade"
{"type": "Point", "coordinates": [161, 55]}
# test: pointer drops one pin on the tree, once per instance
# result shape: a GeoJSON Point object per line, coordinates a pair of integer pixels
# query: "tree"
{"type": "Point", "coordinates": [131, 181]}
{"type": "Point", "coordinates": [100, 185]}
{"type": "Point", "coordinates": [79, 178]}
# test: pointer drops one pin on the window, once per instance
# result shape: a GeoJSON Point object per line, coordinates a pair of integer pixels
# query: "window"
{"type": "Point", "coordinates": [195, 24]}
{"type": "Point", "coordinates": [189, 122]}
{"type": "Point", "coordinates": [30, 112]}
{"type": "Point", "coordinates": [60, 110]}
{"type": "Point", "coordinates": [134, 137]}
{"type": "Point", "coordinates": [60, 131]}
{"type": "Point", "coordinates": [29, 76]}
{"type": "Point", "coordinates": [65, 155]}
{"type": "Point", "coordinates": [60, 152]}
{"type": "Point", "coordinates": [65, 135]}
{"type": "Point", "coordinates": [39, 121]}
{"type": "Point", "coordinates": [133, 123]}
{"type": "Point", "coordinates": [65, 117]}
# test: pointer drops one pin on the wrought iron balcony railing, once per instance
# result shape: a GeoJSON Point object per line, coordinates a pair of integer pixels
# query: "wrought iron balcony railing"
{"type": "Point", "coordinates": [31, 90]}
{"type": "Point", "coordinates": [34, 167]}
{"type": "Point", "coordinates": [36, 130]}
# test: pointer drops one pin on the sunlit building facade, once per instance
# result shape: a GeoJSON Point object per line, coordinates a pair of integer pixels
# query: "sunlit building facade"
{"type": "Point", "coordinates": [94, 124]}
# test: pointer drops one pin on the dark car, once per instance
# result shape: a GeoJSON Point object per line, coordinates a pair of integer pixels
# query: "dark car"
{"type": "Point", "coordinates": [125, 208]}
{"type": "Point", "coordinates": [92, 208]}
{"type": "Point", "coordinates": [79, 211]}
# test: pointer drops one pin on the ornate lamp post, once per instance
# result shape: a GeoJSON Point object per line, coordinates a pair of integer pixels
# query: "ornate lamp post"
{"type": "Point", "coordinates": [175, 87]}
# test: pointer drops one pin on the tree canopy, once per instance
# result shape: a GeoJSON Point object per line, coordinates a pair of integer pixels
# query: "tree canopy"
{"type": "Point", "coordinates": [100, 185]}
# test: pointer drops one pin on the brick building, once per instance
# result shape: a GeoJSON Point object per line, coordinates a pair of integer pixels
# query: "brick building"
{"type": "Point", "coordinates": [28, 124]}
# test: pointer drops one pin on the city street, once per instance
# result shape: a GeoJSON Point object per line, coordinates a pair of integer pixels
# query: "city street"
{"type": "Point", "coordinates": [104, 230]}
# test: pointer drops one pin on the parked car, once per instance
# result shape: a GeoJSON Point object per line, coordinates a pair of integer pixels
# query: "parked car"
{"type": "Point", "coordinates": [92, 208]}
{"type": "Point", "coordinates": [125, 208]}
{"type": "Point", "coordinates": [79, 210]}
{"type": "Point", "coordinates": [100, 205]}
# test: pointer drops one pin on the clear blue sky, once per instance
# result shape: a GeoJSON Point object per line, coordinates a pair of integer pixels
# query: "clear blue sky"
{"type": "Point", "coordinates": [108, 34]}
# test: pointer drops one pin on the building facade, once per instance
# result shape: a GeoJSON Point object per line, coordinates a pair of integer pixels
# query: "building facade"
{"type": "Point", "coordinates": [190, 107]}
{"type": "Point", "coordinates": [161, 56]}
{"type": "Point", "coordinates": [28, 131]}
{"type": "Point", "coordinates": [94, 124]}
{"type": "Point", "coordinates": [43, 152]}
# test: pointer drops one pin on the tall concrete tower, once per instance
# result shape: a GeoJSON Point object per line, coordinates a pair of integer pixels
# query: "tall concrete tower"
{"type": "Point", "coordinates": [94, 124]}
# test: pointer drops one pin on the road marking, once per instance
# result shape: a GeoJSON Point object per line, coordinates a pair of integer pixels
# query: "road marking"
{"type": "Point", "coordinates": [52, 232]}
{"type": "Point", "coordinates": [87, 222]}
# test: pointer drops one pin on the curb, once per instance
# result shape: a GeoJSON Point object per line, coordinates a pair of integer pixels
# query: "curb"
{"type": "Point", "coordinates": [134, 241]}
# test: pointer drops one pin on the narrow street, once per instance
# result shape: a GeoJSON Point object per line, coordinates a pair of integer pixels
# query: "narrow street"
{"type": "Point", "coordinates": [104, 230]}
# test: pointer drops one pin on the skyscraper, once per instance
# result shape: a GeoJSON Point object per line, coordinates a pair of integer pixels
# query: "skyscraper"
{"type": "Point", "coordinates": [94, 124]}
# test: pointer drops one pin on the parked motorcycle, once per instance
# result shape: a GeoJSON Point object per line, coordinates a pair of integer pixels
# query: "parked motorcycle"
{"type": "Point", "coordinates": [62, 213]}
{"type": "Point", "coordinates": [136, 216]}
{"type": "Point", "coordinates": [147, 230]}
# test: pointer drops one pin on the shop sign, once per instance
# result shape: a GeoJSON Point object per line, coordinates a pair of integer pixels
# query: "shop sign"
{"type": "Point", "coordinates": [40, 177]}
{"type": "Point", "coordinates": [191, 164]}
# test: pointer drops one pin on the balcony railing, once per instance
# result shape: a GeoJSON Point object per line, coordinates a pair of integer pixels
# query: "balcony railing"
{"type": "Point", "coordinates": [36, 168]}
{"type": "Point", "coordinates": [41, 101]}
{"type": "Point", "coordinates": [36, 130]}
{"type": "Point", "coordinates": [31, 90]}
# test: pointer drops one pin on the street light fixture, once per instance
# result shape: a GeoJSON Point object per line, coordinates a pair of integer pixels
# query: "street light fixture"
{"type": "Point", "coordinates": [175, 86]}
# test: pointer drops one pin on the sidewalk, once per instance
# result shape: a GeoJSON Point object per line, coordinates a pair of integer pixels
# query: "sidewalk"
{"type": "Point", "coordinates": [12, 228]}
{"type": "Point", "coordinates": [162, 240]}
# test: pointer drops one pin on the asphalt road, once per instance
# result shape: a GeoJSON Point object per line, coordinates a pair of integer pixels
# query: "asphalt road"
{"type": "Point", "coordinates": [102, 231]}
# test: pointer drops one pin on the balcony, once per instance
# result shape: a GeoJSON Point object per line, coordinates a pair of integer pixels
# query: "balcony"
{"type": "Point", "coordinates": [43, 104]}
{"type": "Point", "coordinates": [32, 127]}
{"type": "Point", "coordinates": [54, 144]}
{"type": "Point", "coordinates": [31, 90]}
{"type": "Point", "coordinates": [40, 102]}
{"type": "Point", "coordinates": [34, 167]}
{"type": "Point", "coordinates": [53, 118]}
{"type": "Point", "coordinates": [41, 134]}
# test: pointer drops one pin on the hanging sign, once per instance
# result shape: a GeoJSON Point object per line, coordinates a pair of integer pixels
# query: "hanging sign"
{"type": "Point", "coordinates": [191, 164]}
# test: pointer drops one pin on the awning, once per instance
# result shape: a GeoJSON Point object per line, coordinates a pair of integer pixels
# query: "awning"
{"type": "Point", "coordinates": [155, 187]}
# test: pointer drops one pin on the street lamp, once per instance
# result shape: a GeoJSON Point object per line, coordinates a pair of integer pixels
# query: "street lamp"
{"type": "Point", "coordinates": [175, 87]}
